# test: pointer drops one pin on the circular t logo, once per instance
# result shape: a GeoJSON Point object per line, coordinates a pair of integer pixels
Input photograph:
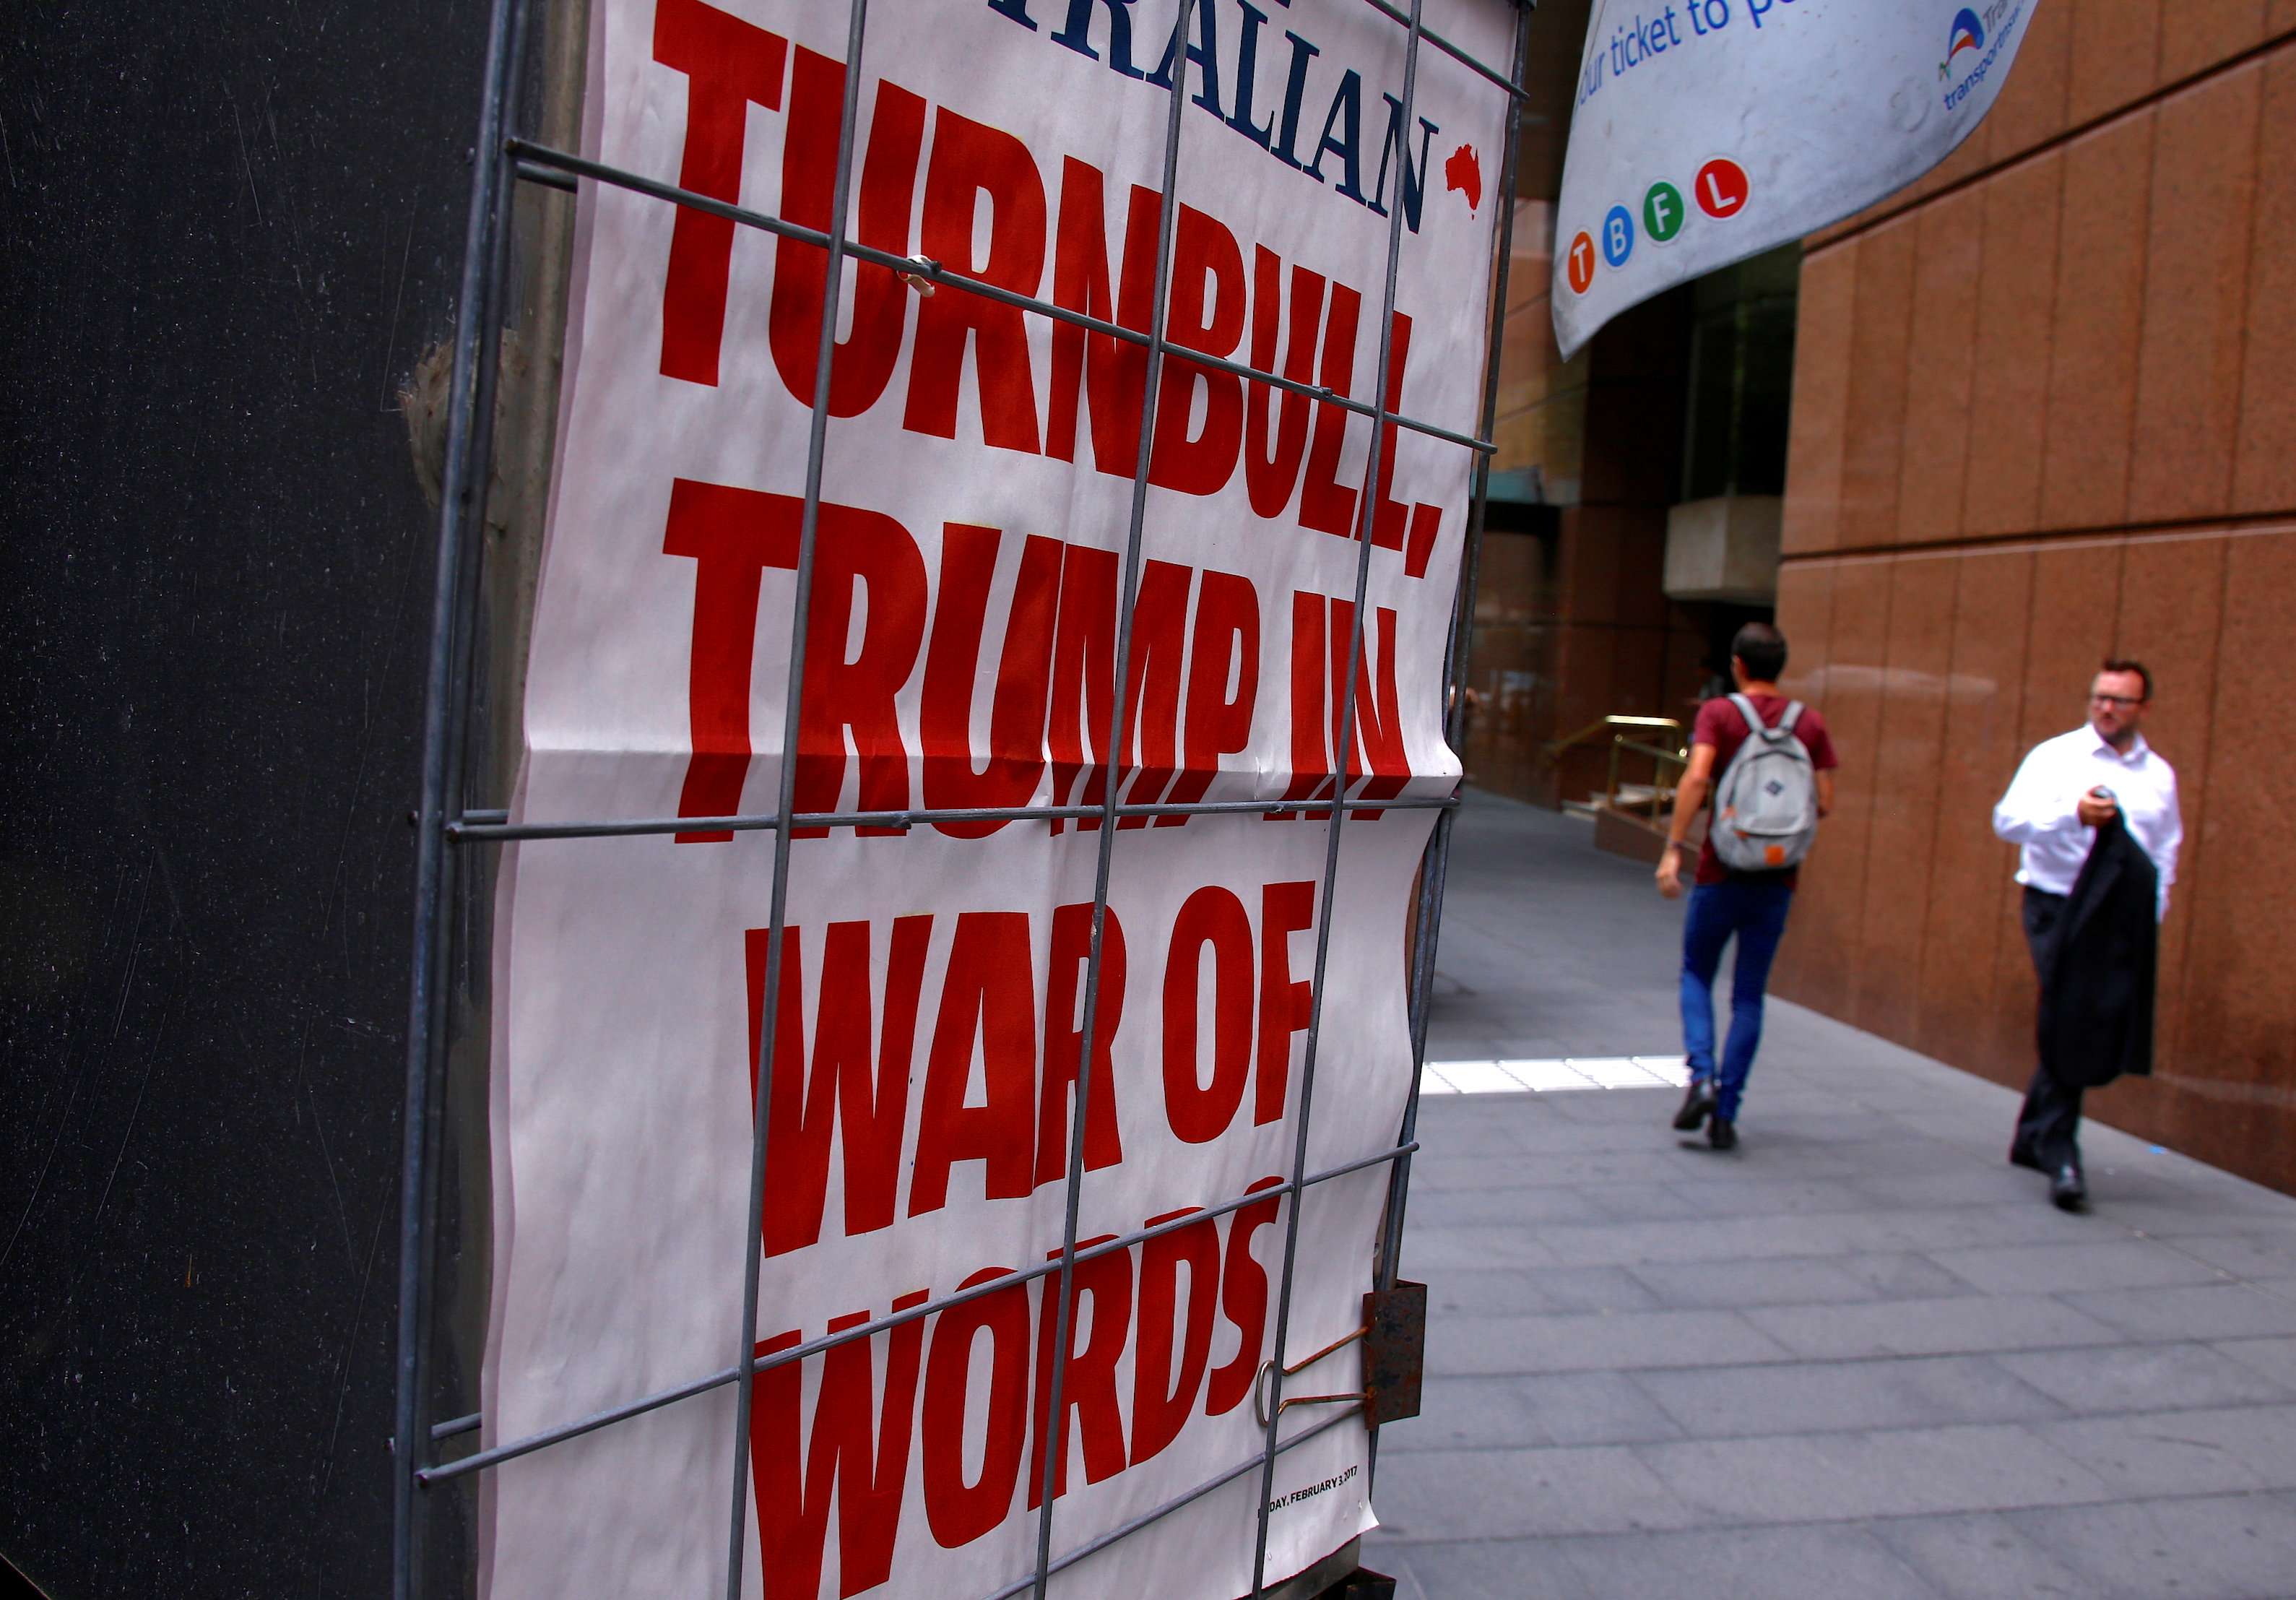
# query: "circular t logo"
{"type": "Point", "coordinates": [1618, 236]}
{"type": "Point", "coordinates": [1721, 188]}
{"type": "Point", "coordinates": [1581, 263]}
{"type": "Point", "coordinates": [1662, 212]}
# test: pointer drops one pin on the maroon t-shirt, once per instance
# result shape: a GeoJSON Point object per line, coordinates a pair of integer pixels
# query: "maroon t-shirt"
{"type": "Point", "coordinates": [1720, 726]}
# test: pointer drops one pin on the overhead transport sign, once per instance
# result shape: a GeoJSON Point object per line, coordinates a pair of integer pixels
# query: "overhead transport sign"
{"type": "Point", "coordinates": [1775, 117]}
{"type": "Point", "coordinates": [1002, 535]}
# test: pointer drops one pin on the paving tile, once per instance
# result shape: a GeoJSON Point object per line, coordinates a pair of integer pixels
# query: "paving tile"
{"type": "Point", "coordinates": [1487, 1134]}
{"type": "Point", "coordinates": [2223, 1547]}
{"type": "Point", "coordinates": [1743, 1195]}
{"type": "Point", "coordinates": [2151, 1456]}
{"type": "Point", "coordinates": [1575, 1124]}
{"type": "Point", "coordinates": [1743, 1564]}
{"type": "Point", "coordinates": [1830, 1396]}
{"type": "Point", "coordinates": [2052, 1269]}
{"type": "Point", "coordinates": [1657, 1202]}
{"type": "Point", "coordinates": [2142, 1377]}
{"type": "Point", "coordinates": [1798, 1280]}
{"type": "Point", "coordinates": [2260, 1438]}
{"type": "Point", "coordinates": [1834, 1477]}
{"type": "Point", "coordinates": [1929, 1327]}
{"type": "Point", "coordinates": [2182, 1208]}
{"type": "Point", "coordinates": [2276, 1358]}
{"type": "Point", "coordinates": [1618, 1072]}
{"type": "Point", "coordinates": [2212, 1311]}
{"type": "Point", "coordinates": [2243, 1255]}
{"type": "Point", "coordinates": [1465, 1414]}
{"type": "Point", "coordinates": [1469, 1495]}
{"type": "Point", "coordinates": [1949, 1126]}
{"type": "Point", "coordinates": [1979, 1556]}
{"type": "Point", "coordinates": [1584, 1343]}
{"type": "Point", "coordinates": [1548, 1076]}
{"type": "Point", "coordinates": [1538, 1290]}
{"type": "Point", "coordinates": [1518, 1205]}
{"type": "Point", "coordinates": [1725, 1238]}
{"type": "Point", "coordinates": [1954, 1227]}
{"type": "Point", "coordinates": [1594, 1408]}
{"type": "Point", "coordinates": [1482, 1570]}
{"type": "Point", "coordinates": [1436, 1170]}
{"type": "Point", "coordinates": [1479, 1077]}
{"type": "Point", "coordinates": [1815, 1126]}
{"type": "Point", "coordinates": [1431, 1250]}
{"type": "Point", "coordinates": [1387, 1556]}
{"type": "Point", "coordinates": [1639, 1109]}
{"type": "Point", "coordinates": [1522, 1412]}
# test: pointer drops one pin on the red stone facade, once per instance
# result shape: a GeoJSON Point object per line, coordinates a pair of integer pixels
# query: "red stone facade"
{"type": "Point", "coordinates": [2044, 409]}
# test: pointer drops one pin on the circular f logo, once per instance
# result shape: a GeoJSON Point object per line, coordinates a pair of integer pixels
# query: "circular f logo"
{"type": "Point", "coordinates": [1662, 212]}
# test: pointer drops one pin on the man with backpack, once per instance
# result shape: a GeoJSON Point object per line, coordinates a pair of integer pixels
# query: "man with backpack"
{"type": "Point", "coordinates": [1777, 763]}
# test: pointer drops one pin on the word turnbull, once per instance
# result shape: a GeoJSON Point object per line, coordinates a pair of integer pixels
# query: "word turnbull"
{"type": "Point", "coordinates": [1311, 328]}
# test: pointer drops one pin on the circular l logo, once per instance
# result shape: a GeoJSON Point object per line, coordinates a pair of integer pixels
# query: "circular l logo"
{"type": "Point", "coordinates": [1721, 188]}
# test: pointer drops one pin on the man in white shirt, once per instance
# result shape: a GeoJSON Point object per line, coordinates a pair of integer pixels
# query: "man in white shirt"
{"type": "Point", "coordinates": [2065, 788]}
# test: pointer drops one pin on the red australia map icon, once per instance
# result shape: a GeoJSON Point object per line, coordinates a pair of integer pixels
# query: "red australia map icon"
{"type": "Point", "coordinates": [1465, 173]}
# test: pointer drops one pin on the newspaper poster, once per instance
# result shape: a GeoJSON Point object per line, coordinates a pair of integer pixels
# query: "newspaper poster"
{"type": "Point", "coordinates": [967, 590]}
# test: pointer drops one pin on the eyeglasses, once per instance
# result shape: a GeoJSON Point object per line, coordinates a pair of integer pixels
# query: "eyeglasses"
{"type": "Point", "coordinates": [2116, 699]}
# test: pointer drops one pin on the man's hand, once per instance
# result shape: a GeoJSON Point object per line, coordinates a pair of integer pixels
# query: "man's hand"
{"type": "Point", "coordinates": [2095, 812]}
{"type": "Point", "coordinates": [1669, 872]}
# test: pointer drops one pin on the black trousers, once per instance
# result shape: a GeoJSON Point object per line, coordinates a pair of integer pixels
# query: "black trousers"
{"type": "Point", "coordinates": [2048, 1124]}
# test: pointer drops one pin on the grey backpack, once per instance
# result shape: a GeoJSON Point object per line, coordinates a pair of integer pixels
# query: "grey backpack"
{"type": "Point", "coordinates": [1766, 806]}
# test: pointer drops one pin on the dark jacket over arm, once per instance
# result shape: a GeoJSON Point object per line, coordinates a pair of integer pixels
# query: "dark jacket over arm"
{"type": "Point", "coordinates": [2096, 973]}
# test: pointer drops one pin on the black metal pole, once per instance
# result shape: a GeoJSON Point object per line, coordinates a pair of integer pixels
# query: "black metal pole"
{"type": "Point", "coordinates": [461, 497]}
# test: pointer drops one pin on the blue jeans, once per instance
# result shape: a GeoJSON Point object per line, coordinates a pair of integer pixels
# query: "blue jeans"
{"type": "Point", "coordinates": [1755, 910]}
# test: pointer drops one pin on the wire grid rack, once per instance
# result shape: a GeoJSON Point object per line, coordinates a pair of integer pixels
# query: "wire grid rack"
{"type": "Point", "coordinates": [448, 829]}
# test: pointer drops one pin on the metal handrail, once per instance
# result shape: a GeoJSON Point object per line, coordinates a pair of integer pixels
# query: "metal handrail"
{"type": "Point", "coordinates": [1661, 794]}
{"type": "Point", "coordinates": [1555, 747]}
{"type": "Point", "coordinates": [1665, 761]}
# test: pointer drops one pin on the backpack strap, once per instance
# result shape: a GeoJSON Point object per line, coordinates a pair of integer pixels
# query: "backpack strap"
{"type": "Point", "coordinates": [1754, 723]}
{"type": "Point", "coordinates": [1793, 714]}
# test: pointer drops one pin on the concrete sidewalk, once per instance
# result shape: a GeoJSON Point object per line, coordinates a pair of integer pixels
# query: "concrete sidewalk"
{"type": "Point", "coordinates": [1861, 1355]}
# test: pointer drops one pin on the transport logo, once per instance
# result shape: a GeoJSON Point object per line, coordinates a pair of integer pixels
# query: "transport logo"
{"type": "Point", "coordinates": [1968, 33]}
{"type": "Point", "coordinates": [1582, 263]}
{"type": "Point", "coordinates": [1662, 212]}
{"type": "Point", "coordinates": [1982, 37]}
{"type": "Point", "coordinates": [1618, 235]}
{"type": "Point", "coordinates": [1722, 188]}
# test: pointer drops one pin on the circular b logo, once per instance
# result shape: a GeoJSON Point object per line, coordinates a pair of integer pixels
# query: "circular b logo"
{"type": "Point", "coordinates": [1581, 263]}
{"type": "Point", "coordinates": [1618, 236]}
{"type": "Point", "coordinates": [1662, 212]}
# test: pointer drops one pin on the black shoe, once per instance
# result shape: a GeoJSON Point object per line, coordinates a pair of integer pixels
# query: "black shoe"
{"type": "Point", "coordinates": [1697, 1105]}
{"type": "Point", "coordinates": [1722, 1134]}
{"type": "Point", "coordinates": [2066, 1188]}
{"type": "Point", "coordinates": [2021, 1155]}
